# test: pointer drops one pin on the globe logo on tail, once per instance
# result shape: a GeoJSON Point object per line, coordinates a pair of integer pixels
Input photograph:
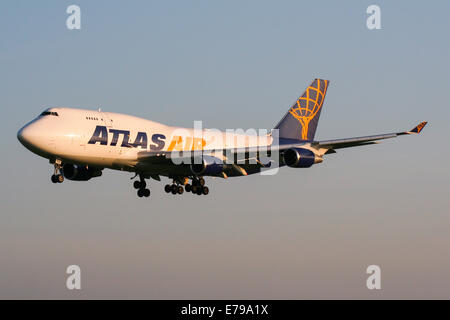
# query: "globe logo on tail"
{"type": "Point", "coordinates": [309, 104]}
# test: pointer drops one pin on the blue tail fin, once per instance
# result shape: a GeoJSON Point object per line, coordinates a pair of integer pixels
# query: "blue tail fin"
{"type": "Point", "coordinates": [300, 122]}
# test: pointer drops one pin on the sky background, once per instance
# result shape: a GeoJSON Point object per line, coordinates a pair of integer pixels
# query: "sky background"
{"type": "Point", "coordinates": [300, 234]}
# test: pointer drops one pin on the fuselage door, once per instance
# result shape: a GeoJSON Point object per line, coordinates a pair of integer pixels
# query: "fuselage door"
{"type": "Point", "coordinates": [106, 119]}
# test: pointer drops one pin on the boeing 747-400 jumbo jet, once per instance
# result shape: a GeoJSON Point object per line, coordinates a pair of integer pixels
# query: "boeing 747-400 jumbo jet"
{"type": "Point", "coordinates": [81, 143]}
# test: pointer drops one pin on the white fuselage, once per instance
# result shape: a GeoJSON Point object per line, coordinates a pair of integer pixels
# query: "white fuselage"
{"type": "Point", "coordinates": [113, 140]}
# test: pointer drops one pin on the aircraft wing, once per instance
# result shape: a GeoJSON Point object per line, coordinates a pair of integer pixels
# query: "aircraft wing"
{"type": "Point", "coordinates": [242, 158]}
{"type": "Point", "coordinates": [360, 141]}
{"type": "Point", "coordinates": [242, 154]}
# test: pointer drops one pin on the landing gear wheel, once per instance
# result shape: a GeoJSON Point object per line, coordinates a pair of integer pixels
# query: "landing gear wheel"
{"type": "Point", "coordinates": [205, 190]}
{"type": "Point", "coordinates": [194, 189]}
{"type": "Point", "coordinates": [188, 187]}
{"type": "Point", "coordinates": [137, 184]}
{"type": "Point", "coordinates": [174, 189]}
{"type": "Point", "coordinates": [140, 186]}
{"type": "Point", "coordinates": [57, 176]}
{"type": "Point", "coordinates": [143, 193]}
{"type": "Point", "coordinates": [167, 188]}
{"type": "Point", "coordinates": [199, 191]}
{"type": "Point", "coordinates": [201, 182]}
{"type": "Point", "coordinates": [180, 190]}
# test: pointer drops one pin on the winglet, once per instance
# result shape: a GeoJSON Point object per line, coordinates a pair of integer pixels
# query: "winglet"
{"type": "Point", "coordinates": [418, 128]}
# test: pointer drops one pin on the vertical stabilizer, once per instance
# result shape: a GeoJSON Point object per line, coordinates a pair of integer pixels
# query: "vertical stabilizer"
{"type": "Point", "coordinates": [300, 122]}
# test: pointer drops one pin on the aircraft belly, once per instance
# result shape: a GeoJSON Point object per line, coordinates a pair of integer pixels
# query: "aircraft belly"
{"type": "Point", "coordinates": [164, 169]}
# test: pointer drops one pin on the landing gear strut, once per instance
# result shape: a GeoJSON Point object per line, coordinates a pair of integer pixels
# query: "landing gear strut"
{"type": "Point", "coordinates": [140, 185]}
{"type": "Point", "coordinates": [57, 176]}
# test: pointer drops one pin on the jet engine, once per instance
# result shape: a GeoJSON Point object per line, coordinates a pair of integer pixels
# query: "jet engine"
{"type": "Point", "coordinates": [208, 166]}
{"type": "Point", "coordinates": [80, 173]}
{"type": "Point", "coordinates": [300, 158]}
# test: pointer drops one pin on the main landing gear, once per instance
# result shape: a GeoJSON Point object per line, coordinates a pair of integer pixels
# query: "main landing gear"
{"type": "Point", "coordinates": [57, 176]}
{"type": "Point", "coordinates": [197, 187]}
{"type": "Point", "coordinates": [173, 188]}
{"type": "Point", "coordinates": [140, 185]}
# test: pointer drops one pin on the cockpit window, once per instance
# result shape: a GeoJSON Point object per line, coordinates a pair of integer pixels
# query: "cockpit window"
{"type": "Point", "coordinates": [49, 113]}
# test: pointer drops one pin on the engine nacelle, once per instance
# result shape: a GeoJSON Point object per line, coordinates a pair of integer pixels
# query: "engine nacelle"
{"type": "Point", "coordinates": [209, 166]}
{"type": "Point", "coordinates": [79, 173]}
{"type": "Point", "coordinates": [300, 158]}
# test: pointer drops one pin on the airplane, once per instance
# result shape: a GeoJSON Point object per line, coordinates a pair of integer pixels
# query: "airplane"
{"type": "Point", "coordinates": [81, 143]}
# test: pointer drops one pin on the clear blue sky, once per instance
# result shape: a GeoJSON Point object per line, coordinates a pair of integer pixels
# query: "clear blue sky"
{"type": "Point", "coordinates": [233, 64]}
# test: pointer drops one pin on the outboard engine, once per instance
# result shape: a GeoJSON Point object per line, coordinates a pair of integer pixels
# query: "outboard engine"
{"type": "Point", "coordinates": [209, 166]}
{"type": "Point", "coordinates": [300, 158]}
{"type": "Point", "coordinates": [80, 173]}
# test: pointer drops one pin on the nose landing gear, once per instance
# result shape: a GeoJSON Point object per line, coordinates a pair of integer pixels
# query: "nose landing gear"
{"type": "Point", "coordinates": [57, 176]}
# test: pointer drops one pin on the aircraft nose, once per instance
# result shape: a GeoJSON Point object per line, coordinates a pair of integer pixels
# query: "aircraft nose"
{"type": "Point", "coordinates": [26, 135]}
{"type": "Point", "coordinates": [35, 137]}
{"type": "Point", "coordinates": [22, 135]}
